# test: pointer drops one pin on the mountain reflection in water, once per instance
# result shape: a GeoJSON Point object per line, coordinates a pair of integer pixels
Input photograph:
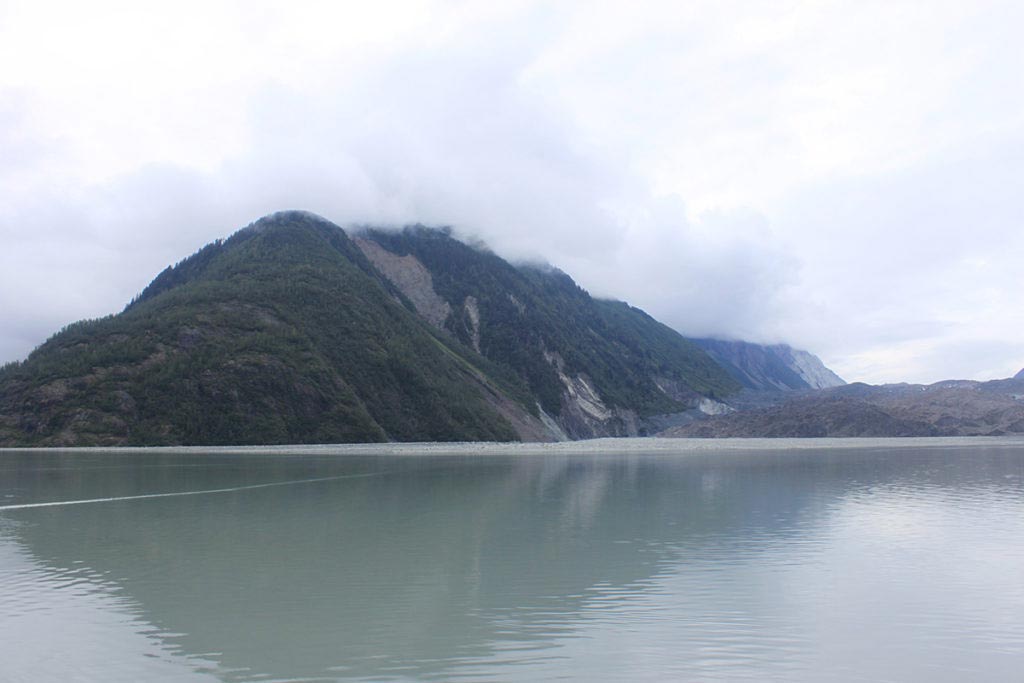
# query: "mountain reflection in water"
{"type": "Point", "coordinates": [727, 565]}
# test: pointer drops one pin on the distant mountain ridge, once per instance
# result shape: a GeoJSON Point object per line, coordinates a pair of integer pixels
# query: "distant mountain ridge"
{"type": "Point", "coordinates": [949, 408]}
{"type": "Point", "coordinates": [778, 367]}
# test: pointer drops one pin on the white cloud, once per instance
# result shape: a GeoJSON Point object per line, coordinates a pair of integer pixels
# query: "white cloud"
{"type": "Point", "coordinates": [843, 176]}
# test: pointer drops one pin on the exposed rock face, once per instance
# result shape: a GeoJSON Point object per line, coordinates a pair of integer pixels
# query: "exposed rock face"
{"type": "Point", "coordinates": [954, 408]}
{"type": "Point", "coordinates": [770, 368]}
{"type": "Point", "coordinates": [521, 307]}
{"type": "Point", "coordinates": [810, 368]}
{"type": "Point", "coordinates": [411, 278]}
{"type": "Point", "coordinates": [711, 407]}
{"type": "Point", "coordinates": [579, 391]}
{"type": "Point", "coordinates": [473, 313]}
{"type": "Point", "coordinates": [552, 425]}
{"type": "Point", "coordinates": [678, 391]}
{"type": "Point", "coordinates": [584, 414]}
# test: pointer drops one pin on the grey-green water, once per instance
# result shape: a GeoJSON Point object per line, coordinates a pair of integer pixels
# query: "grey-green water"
{"type": "Point", "coordinates": [616, 561]}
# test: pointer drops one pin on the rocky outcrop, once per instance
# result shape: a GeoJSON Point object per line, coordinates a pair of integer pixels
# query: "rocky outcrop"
{"type": "Point", "coordinates": [584, 414]}
{"type": "Point", "coordinates": [472, 309]}
{"type": "Point", "coordinates": [709, 406]}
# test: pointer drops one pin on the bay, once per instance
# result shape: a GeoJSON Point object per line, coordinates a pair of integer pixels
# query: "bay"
{"type": "Point", "coordinates": [611, 560]}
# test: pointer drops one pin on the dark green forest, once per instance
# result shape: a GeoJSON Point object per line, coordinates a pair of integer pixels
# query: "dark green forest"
{"type": "Point", "coordinates": [286, 333]}
{"type": "Point", "coordinates": [529, 308]}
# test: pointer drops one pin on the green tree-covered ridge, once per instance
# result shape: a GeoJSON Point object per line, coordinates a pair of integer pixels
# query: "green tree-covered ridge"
{"type": "Point", "coordinates": [286, 333]}
{"type": "Point", "coordinates": [525, 310]}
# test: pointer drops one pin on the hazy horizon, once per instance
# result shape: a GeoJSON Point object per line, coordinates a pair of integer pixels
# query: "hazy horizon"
{"type": "Point", "coordinates": [841, 177]}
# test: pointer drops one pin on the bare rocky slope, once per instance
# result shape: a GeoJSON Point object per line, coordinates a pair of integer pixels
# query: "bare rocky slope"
{"type": "Point", "coordinates": [776, 367]}
{"type": "Point", "coordinates": [951, 408]}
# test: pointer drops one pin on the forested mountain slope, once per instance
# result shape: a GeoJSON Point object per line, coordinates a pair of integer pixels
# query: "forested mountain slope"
{"type": "Point", "coordinates": [290, 331]}
{"type": "Point", "coordinates": [599, 367]}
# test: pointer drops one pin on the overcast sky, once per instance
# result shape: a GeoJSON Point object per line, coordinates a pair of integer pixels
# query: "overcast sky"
{"type": "Point", "coordinates": [847, 177]}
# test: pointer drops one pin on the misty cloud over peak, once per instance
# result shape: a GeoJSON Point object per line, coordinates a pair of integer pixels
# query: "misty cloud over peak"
{"type": "Point", "coordinates": [841, 178]}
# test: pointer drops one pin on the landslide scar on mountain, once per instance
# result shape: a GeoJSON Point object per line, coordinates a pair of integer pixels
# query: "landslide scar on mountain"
{"type": "Point", "coordinates": [412, 279]}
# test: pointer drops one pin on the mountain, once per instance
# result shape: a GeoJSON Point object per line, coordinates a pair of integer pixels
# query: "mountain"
{"type": "Point", "coordinates": [951, 408]}
{"type": "Point", "coordinates": [291, 331]}
{"type": "Point", "coordinates": [770, 368]}
{"type": "Point", "coordinates": [1019, 375]}
{"type": "Point", "coordinates": [601, 367]}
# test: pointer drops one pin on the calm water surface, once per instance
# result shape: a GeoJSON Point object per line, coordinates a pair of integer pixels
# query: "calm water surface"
{"type": "Point", "coordinates": [872, 563]}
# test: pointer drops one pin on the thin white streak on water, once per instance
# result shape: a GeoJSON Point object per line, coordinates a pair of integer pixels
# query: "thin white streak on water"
{"type": "Point", "coordinates": [59, 503]}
